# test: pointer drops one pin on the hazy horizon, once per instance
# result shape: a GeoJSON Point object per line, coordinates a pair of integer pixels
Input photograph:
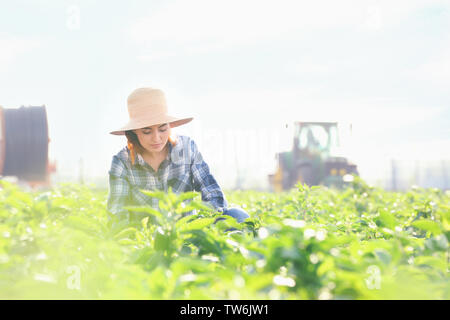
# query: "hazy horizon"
{"type": "Point", "coordinates": [243, 70]}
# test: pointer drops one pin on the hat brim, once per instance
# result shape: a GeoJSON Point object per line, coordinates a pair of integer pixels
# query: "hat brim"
{"type": "Point", "coordinates": [133, 125]}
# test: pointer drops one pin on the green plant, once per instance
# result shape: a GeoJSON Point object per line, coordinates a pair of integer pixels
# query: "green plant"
{"type": "Point", "coordinates": [308, 243]}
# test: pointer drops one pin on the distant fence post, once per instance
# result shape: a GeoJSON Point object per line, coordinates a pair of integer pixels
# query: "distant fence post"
{"type": "Point", "coordinates": [393, 175]}
{"type": "Point", "coordinates": [444, 175]}
{"type": "Point", "coordinates": [81, 171]}
{"type": "Point", "coordinates": [417, 181]}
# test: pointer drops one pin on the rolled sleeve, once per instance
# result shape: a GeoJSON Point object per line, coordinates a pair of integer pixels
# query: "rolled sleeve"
{"type": "Point", "coordinates": [204, 181]}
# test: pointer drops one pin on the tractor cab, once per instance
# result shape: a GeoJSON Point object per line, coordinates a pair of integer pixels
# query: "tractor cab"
{"type": "Point", "coordinates": [315, 139]}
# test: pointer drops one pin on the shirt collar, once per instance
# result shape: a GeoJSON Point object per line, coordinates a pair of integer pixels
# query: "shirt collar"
{"type": "Point", "coordinates": [141, 161]}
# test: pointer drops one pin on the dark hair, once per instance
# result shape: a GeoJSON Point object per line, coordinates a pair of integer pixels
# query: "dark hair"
{"type": "Point", "coordinates": [133, 139]}
{"type": "Point", "coordinates": [135, 146]}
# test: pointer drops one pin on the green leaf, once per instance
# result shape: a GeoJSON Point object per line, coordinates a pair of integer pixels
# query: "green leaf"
{"type": "Point", "coordinates": [144, 222]}
{"type": "Point", "coordinates": [185, 209]}
{"type": "Point", "coordinates": [154, 194]}
{"type": "Point", "coordinates": [162, 241]}
{"type": "Point", "coordinates": [228, 222]}
{"type": "Point", "coordinates": [383, 256]}
{"type": "Point", "coordinates": [427, 225]}
{"type": "Point", "coordinates": [171, 197]}
{"type": "Point", "coordinates": [82, 223]}
{"type": "Point", "coordinates": [181, 222]}
{"type": "Point", "coordinates": [438, 243]}
{"type": "Point", "coordinates": [125, 233]}
{"type": "Point", "coordinates": [197, 224]}
{"type": "Point", "coordinates": [185, 196]}
{"type": "Point", "coordinates": [434, 262]}
{"type": "Point", "coordinates": [148, 210]}
{"type": "Point", "coordinates": [387, 220]}
{"type": "Point", "coordinates": [201, 205]}
{"type": "Point", "coordinates": [140, 256]}
{"type": "Point", "coordinates": [126, 242]}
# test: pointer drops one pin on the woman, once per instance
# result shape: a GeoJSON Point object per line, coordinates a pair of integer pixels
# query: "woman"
{"type": "Point", "coordinates": [157, 159]}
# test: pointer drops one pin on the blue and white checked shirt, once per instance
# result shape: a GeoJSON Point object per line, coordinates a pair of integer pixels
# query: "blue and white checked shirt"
{"type": "Point", "coordinates": [183, 169]}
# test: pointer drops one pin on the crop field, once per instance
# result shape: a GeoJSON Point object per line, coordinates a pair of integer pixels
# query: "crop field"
{"type": "Point", "coordinates": [309, 243]}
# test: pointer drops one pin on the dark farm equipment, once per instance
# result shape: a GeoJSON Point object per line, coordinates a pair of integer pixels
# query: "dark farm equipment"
{"type": "Point", "coordinates": [311, 161]}
{"type": "Point", "coordinates": [24, 146]}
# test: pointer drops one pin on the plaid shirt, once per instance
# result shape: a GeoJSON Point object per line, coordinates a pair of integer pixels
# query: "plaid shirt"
{"type": "Point", "coordinates": [183, 169]}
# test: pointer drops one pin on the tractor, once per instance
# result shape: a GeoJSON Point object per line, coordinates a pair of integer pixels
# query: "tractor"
{"type": "Point", "coordinates": [311, 160]}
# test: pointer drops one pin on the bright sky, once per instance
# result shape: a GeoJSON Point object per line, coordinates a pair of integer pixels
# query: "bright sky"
{"type": "Point", "coordinates": [242, 69]}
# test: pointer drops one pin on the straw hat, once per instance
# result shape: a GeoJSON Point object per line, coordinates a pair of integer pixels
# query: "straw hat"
{"type": "Point", "coordinates": [147, 107]}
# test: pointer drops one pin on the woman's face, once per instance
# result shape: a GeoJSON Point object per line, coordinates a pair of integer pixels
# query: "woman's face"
{"type": "Point", "coordinates": [154, 138]}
